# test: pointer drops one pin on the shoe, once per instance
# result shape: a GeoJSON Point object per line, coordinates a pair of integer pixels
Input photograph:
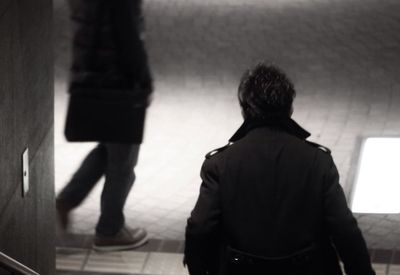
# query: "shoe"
{"type": "Point", "coordinates": [63, 210]}
{"type": "Point", "coordinates": [124, 240]}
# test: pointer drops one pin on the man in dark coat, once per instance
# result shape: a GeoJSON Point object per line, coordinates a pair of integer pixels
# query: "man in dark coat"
{"type": "Point", "coordinates": [110, 88]}
{"type": "Point", "coordinates": [270, 201]}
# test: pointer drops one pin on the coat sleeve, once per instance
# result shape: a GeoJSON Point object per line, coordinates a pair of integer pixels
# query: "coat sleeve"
{"type": "Point", "coordinates": [342, 227]}
{"type": "Point", "coordinates": [202, 231]}
{"type": "Point", "coordinates": [128, 22]}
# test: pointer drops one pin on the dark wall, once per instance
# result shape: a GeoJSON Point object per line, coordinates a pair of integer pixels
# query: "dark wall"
{"type": "Point", "coordinates": [26, 120]}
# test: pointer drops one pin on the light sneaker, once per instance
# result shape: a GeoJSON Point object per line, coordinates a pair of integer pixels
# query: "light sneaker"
{"type": "Point", "coordinates": [125, 239]}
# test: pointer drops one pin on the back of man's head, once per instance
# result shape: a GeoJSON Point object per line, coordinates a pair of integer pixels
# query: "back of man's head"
{"type": "Point", "coordinates": [265, 91]}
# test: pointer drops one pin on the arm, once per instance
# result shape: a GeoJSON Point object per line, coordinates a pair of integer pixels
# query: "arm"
{"type": "Point", "coordinates": [202, 231]}
{"type": "Point", "coordinates": [342, 227]}
{"type": "Point", "coordinates": [127, 19]}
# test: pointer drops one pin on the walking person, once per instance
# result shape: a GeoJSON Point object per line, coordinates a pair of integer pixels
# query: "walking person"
{"type": "Point", "coordinates": [270, 201]}
{"type": "Point", "coordinates": [110, 88]}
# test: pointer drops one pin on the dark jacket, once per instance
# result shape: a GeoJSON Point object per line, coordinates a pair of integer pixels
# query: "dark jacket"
{"type": "Point", "coordinates": [110, 80]}
{"type": "Point", "coordinates": [271, 193]}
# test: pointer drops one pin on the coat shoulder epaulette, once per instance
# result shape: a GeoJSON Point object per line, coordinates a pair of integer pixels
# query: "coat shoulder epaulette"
{"type": "Point", "coordinates": [319, 146]}
{"type": "Point", "coordinates": [218, 150]}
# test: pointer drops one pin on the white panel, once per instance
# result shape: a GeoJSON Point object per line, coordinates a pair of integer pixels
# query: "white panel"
{"type": "Point", "coordinates": [377, 185]}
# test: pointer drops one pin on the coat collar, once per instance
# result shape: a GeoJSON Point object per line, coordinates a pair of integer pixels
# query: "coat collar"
{"type": "Point", "coordinates": [285, 123]}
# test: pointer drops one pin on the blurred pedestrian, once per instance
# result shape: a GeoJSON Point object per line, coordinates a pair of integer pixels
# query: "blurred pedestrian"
{"type": "Point", "coordinates": [110, 88]}
{"type": "Point", "coordinates": [270, 201]}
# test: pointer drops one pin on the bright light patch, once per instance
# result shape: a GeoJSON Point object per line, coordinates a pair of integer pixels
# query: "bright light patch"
{"type": "Point", "coordinates": [377, 185]}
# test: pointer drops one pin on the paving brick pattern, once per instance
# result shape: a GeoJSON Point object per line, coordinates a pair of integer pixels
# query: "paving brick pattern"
{"type": "Point", "coordinates": [342, 55]}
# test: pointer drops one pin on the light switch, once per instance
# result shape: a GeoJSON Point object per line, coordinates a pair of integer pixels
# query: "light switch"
{"type": "Point", "coordinates": [25, 172]}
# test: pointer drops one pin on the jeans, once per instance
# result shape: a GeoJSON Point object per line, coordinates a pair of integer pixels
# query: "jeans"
{"type": "Point", "coordinates": [116, 162]}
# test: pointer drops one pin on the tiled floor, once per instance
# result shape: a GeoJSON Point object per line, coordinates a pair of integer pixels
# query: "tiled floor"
{"type": "Point", "coordinates": [342, 55]}
{"type": "Point", "coordinates": [158, 257]}
{"type": "Point", "coordinates": [124, 262]}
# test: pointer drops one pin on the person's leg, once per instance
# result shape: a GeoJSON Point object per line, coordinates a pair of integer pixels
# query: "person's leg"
{"type": "Point", "coordinates": [87, 175]}
{"type": "Point", "coordinates": [121, 160]}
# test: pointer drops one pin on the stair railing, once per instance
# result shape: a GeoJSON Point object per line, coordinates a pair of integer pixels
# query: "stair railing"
{"type": "Point", "coordinates": [14, 267]}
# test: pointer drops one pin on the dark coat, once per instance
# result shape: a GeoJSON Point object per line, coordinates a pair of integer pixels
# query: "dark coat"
{"type": "Point", "coordinates": [272, 193]}
{"type": "Point", "coordinates": [110, 78]}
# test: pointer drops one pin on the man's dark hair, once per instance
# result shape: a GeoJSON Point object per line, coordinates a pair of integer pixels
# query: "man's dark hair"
{"type": "Point", "coordinates": [265, 91]}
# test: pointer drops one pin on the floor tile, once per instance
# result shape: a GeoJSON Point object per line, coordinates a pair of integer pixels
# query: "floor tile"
{"type": "Point", "coordinates": [116, 262]}
{"type": "Point", "coordinates": [71, 258]}
{"type": "Point", "coordinates": [74, 240]}
{"type": "Point", "coordinates": [165, 264]}
{"type": "Point", "coordinates": [394, 270]}
{"type": "Point", "coordinates": [171, 246]}
{"type": "Point", "coordinates": [380, 269]}
{"type": "Point", "coordinates": [88, 273]}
